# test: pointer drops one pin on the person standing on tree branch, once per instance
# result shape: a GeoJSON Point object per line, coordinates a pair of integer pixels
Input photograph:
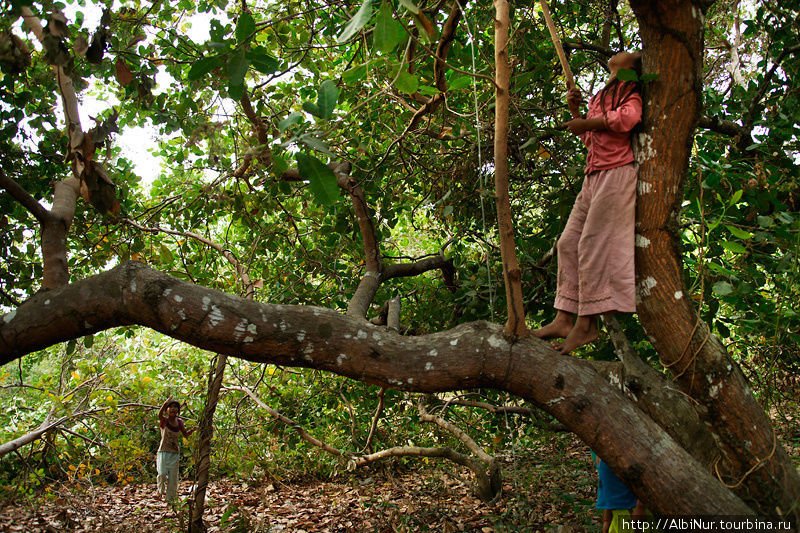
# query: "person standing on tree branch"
{"type": "Point", "coordinates": [168, 456]}
{"type": "Point", "coordinates": [596, 248]}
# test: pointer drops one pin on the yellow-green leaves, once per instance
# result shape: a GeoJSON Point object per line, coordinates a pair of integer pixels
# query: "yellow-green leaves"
{"type": "Point", "coordinates": [406, 83]}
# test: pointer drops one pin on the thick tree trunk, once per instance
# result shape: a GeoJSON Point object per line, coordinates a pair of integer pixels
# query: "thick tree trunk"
{"type": "Point", "coordinates": [512, 275]}
{"type": "Point", "coordinates": [753, 463]}
{"type": "Point", "coordinates": [471, 355]}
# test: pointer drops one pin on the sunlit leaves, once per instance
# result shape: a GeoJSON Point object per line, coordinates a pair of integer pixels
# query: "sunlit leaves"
{"type": "Point", "coordinates": [410, 6]}
{"type": "Point", "coordinates": [291, 120]}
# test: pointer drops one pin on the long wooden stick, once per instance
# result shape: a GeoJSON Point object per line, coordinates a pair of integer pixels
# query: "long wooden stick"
{"type": "Point", "coordinates": [562, 57]}
{"type": "Point", "coordinates": [515, 326]}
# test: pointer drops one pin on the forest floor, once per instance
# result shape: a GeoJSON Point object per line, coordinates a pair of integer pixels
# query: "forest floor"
{"type": "Point", "coordinates": [544, 487]}
{"type": "Point", "coordinates": [554, 484]}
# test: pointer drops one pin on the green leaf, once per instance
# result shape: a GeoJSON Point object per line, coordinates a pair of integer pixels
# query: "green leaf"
{"type": "Point", "coordinates": [71, 347]}
{"type": "Point", "coordinates": [237, 68]}
{"type": "Point", "coordinates": [312, 108]}
{"type": "Point", "coordinates": [327, 97]}
{"type": "Point", "coordinates": [315, 144]}
{"type": "Point", "coordinates": [739, 233]}
{"type": "Point", "coordinates": [721, 269]}
{"type": "Point", "coordinates": [734, 247]}
{"type": "Point", "coordinates": [388, 32]}
{"type": "Point", "coordinates": [279, 165]}
{"type": "Point", "coordinates": [355, 74]}
{"type": "Point", "coordinates": [647, 78]}
{"type": "Point", "coordinates": [203, 66]}
{"type": "Point", "coordinates": [722, 288]}
{"type": "Point", "coordinates": [321, 179]}
{"type": "Point", "coordinates": [165, 254]}
{"type": "Point", "coordinates": [427, 90]}
{"type": "Point", "coordinates": [736, 197]}
{"type": "Point", "coordinates": [236, 92]}
{"type": "Point", "coordinates": [356, 23]}
{"type": "Point", "coordinates": [626, 74]}
{"type": "Point", "coordinates": [291, 120]}
{"type": "Point", "coordinates": [88, 341]}
{"type": "Point", "coordinates": [462, 82]}
{"type": "Point", "coordinates": [406, 83]}
{"type": "Point", "coordinates": [765, 221]}
{"type": "Point", "coordinates": [262, 61]}
{"type": "Point", "coordinates": [785, 217]}
{"type": "Point", "coordinates": [245, 27]}
{"type": "Point", "coordinates": [411, 6]}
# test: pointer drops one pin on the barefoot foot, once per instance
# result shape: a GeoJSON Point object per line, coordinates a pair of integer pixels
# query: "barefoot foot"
{"type": "Point", "coordinates": [584, 332]}
{"type": "Point", "coordinates": [559, 328]}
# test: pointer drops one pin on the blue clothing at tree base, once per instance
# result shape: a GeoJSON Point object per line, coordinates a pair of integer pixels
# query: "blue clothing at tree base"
{"type": "Point", "coordinates": [611, 492]}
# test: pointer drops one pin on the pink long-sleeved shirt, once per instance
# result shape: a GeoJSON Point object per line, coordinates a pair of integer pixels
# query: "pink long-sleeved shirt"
{"type": "Point", "coordinates": [611, 148]}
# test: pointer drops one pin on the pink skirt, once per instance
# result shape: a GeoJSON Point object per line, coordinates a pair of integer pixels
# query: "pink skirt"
{"type": "Point", "coordinates": [595, 251]}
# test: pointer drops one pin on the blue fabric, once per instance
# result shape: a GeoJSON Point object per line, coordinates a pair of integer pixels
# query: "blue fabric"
{"type": "Point", "coordinates": [611, 492]}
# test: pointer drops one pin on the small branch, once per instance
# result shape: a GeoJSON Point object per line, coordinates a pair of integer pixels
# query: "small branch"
{"type": "Point", "coordinates": [496, 409]}
{"type": "Point", "coordinates": [581, 45]}
{"type": "Point", "coordinates": [465, 439]}
{"type": "Point", "coordinates": [725, 127]}
{"type": "Point", "coordinates": [87, 439]}
{"type": "Point", "coordinates": [247, 283]}
{"type": "Point", "coordinates": [393, 315]}
{"type": "Point", "coordinates": [751, 111]}
{"type": "Point", "coordinates": [10, 298]}
{"type": "Point", "coordinates": [24, 198]}
{"type": "Point", "coordinates": [288, 421]}
{"type": "Point", "coordinates": [418, 267]}
{"type": "Point", "coordinates": [374, 425]}
{"type": "Point", "coordinates": [623, 347]}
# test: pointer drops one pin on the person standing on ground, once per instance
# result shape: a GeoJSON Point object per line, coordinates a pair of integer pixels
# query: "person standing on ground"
{"type": "Point", "coordinates": [168, 456]}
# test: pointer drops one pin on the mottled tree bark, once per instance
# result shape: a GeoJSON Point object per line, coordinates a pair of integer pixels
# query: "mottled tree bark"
{"type": "Point", "coordinates": [753, 463]}
{"type": "Point", "coordinates": [468, 356]}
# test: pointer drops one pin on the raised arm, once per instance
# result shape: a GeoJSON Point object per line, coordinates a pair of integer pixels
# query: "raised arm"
{"type": "Point", "coordinates": [162, 413]}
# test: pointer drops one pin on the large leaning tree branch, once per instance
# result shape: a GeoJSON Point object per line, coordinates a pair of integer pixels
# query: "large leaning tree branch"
{"type": "Point", "coordinates": [753, 463]}
{"type": "Point", "coordinates": [468, 356]}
